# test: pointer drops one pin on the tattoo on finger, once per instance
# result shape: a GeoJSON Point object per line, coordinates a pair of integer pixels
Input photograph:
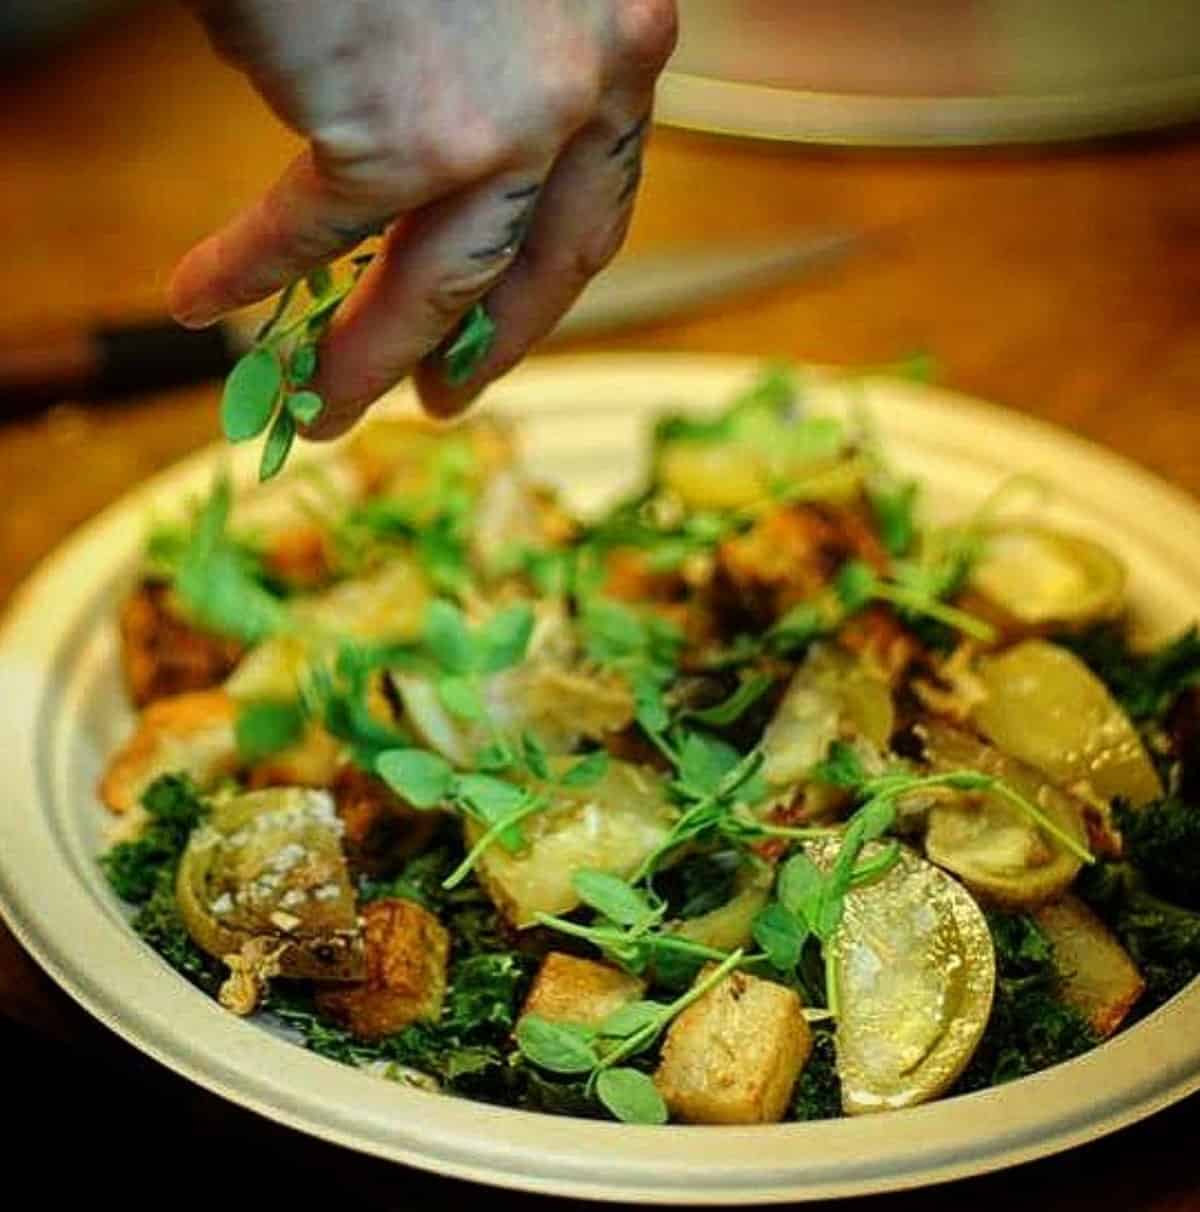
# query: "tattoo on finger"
{"type": "Point", "coordinates": [628, 148]}
{"type": "Point", "coordinates": [509, 240]}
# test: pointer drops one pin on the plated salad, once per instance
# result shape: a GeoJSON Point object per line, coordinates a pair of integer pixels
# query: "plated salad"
{"type": "Point", "coordinates": [754, 799]}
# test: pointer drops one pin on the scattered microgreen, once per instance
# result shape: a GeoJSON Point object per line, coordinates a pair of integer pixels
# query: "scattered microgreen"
{"type": "Point", "coordinates": [268, 726]}
{"type": "Point", "coordinates": [470, 346]}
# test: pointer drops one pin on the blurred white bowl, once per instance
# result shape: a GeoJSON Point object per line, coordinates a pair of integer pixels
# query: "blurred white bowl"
{"type": "Point", "coordinates": [928, 72]}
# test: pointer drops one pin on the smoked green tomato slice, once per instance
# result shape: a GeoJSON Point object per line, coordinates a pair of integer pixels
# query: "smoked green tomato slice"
{"type": "Point", "coordinates": [915, 973]}
{"type": "Point", "coordinates": [1045, 707]}
{"type": "Point", "coordinates": [267, 867]}
{"type": "Point", "coordinates": [1037, 577]}
{"type": "Point", "coordinates": [831, 696]}
{"type": "Point", "coordinates": [998, 850]}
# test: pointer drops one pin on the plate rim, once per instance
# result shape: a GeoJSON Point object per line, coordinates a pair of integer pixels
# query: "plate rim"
{"type": "Point", "coordinates": [490, 1154]}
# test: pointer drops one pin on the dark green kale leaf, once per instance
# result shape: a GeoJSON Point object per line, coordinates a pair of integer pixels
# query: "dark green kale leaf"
{"type": "Point", "coordinates": [1162, 939]}
{"type": "Point", "coordinates": [818, 1093]}
{"type": "Point", "coordinates": [142, 872]}
{"type": "Point", "coordinates": [1145, 684]}
{"type": "Point", "coordinates": [1030, 1028]}
{"type": "Point", "coordinates": [1163, 841]}
{"type": "Point", "coordinates": [133, 868]}
{"type": "Point", "coordinates": [159, 924]}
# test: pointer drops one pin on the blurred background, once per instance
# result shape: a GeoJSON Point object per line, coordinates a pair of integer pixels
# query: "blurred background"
{"type": "Point", "coordinates": [1024, 193]}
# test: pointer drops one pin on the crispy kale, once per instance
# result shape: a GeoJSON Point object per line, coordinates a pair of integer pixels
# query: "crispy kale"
{"type": "Point", "coordinates": [1163, 841]}
{"type": "Point", "coordinates": [1145, 684]}
{"type": "Point", "coordinates": [1162, 939]}
{"type": "Point", "coordinates": [1030, 1027]}
{"type": "Point", "coordinates": [818, 1093]}
{"type": "Point", "coordinates": [142, 872]}
{"type": "Point", "coordinates": [133, 868]}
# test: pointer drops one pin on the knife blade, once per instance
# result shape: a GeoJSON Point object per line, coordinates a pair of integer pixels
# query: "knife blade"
{"type": "Point", "coordinates": [113, 361]}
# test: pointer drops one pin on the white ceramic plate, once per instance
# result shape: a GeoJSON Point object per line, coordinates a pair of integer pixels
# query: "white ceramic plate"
{"type": "Point", "coordinates": [61, 711]}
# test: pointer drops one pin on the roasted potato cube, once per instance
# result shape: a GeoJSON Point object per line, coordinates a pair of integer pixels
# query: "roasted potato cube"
{"type": "Point", "coordinates": [572, 990]}
{"type": "Point", "coordinates": [1098, 977]}
{"type": "Point", "coordinates": [406, 951]}
{"type": "Point", "coordinates": [733, 1056]}
{"type": "Point", "coordinates": [162, 654]}
{"type": "Point", "coordinates": [191, 734]}
{"type": "Point", "coordinates": [381, 830]}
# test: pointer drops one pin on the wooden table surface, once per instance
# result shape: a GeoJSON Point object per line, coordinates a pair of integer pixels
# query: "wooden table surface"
{"type": "Point", "coordinates": [1064, 283]}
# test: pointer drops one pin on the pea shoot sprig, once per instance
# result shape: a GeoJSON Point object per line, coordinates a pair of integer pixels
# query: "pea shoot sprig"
{"type": "Point", "coordinates": [270, 389]}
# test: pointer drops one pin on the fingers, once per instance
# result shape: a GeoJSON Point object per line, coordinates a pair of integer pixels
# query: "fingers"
{"type": "Point", "coordinates": [298, 224]}
{"type": "Point", "coordinates": [413, 296]}
{"type": "Point", "coordinates": [579, 225]}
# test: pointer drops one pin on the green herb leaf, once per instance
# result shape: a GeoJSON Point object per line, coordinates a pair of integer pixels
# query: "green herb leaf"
{"type": "Point", "coordinates": [461, 697]}
{"type": "Point", "coordinates": [556, 1047]}
{"type": "Point", "coordinates": [423, 779]}
{"type": "Point", "coordinates": [650, 707]}
{"type": "Point", "coordinates": [448, 638]}
{"type": "Point", "coordinates": [730, 710]}
{"type": "Point", "coordinates": [250, 393]}
{"type": "Point", "coordinates": [612, 896]}
{"type": "Point", "coordinates": [855, 585]}
{"type": "Point", "coordinates": [534, 754]}
{"type": "Point", "coordinates": [491, 798]}
{"type": "Point", "coordinates": [637, 1016]}
{"type": "Point", "coordinates": [305, 406]}
{"type": "Point", "coordinates": [842, 767]}
{"type": "Point", "coordinates": [798, 628]}
{"type": "Point", "coordinates": [587, 771]}
{"type": "Point", "coordinates": [470, 347]}
{"type": "Point", "coordinates": [495, 758]}
{"type": "Point", "coordinates": [781, 934]}
{"type": "Point", "coordinates": [302, 365]}
{"type": "Point", "coordinates": [893, 508]}
{"type": "Point", "coordinates": [319, 281]}
{"type": "Point", "coordinates": [501, 642]}
{"type": "Point", "coordinates": [267, 727]}
{"type": "Point", "coordinates": [704, 761]}
{"type": "Point", "coordinates": [277, 446]}
{"type": "Point", "coordinates": [631, 1096]}
{"type": "Point", "coordinates": [800, 887]}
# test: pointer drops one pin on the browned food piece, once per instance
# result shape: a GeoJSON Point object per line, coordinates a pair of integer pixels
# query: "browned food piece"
{"type": "Point", "coordinates": [301, 556]}
{"type": "Point", "coordinates": [882, 644]}
{"type": "Point", "coordinates": [572, 990]}
{"type": "Point", "coordinates": [407, 950]}
{"type": "Point", "coordinates": [998, 850]}
{"type": "Point", "coordinates": [1098, 977]}
{"type": "Point", "coordinates": [789, 555]}
{"type": "Point", "coordinates": [733, 1056]}
{"type": "Point", "coordinates": [381, 830]}
{"type": "Point", "coordinates": [313, 761]}
{"type": "Point", "coordinates": [162, 654]}
{"type": "Point", "coordinates": [266, 868]}
{"type": "Point", "coordinates": [189, 734]}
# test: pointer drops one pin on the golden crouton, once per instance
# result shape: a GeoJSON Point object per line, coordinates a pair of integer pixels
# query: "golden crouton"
{"type": "Point", "coordinates": [571, 990]}
{"type": "Point", "coordinates": [1098, 977]}
{"type": "Point", "coordinates": [162, 654]}
{"type": "Point", "coordinates": [407, 950]}
{"type": "Point", "coordinates": [189, 734]}
{"type": "Point", "coordinates": [733, 1056]}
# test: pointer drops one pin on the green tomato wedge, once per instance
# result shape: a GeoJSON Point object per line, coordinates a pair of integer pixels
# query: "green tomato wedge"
{"type": "Point", "coordinates": [1045, 707]}
{"type": "Point", "coordinates": [1041, 577]}
{"type": "Point", "coordinates": [914, 973]}
{"type": "Point", "coordinates": [269, 866]}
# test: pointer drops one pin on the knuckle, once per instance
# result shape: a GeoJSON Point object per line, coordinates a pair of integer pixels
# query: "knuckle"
{"type": "Point", "coordinates": [647, 31]}
{"type": "Point", "coordinates": [457, 159]}
{"type": "Point", "coordinates": [570, 96]}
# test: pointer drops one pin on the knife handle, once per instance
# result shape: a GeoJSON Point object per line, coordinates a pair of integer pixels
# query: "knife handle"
{"type": "Point", "coordinates": [103, 363]}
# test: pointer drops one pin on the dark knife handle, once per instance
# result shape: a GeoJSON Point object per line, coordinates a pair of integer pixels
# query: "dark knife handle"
{"type": "Point", "coordinates": [107, 363]}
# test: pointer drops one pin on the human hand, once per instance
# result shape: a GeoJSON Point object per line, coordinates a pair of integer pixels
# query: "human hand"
{"type": "Point", "coordinates": [497, 143]}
